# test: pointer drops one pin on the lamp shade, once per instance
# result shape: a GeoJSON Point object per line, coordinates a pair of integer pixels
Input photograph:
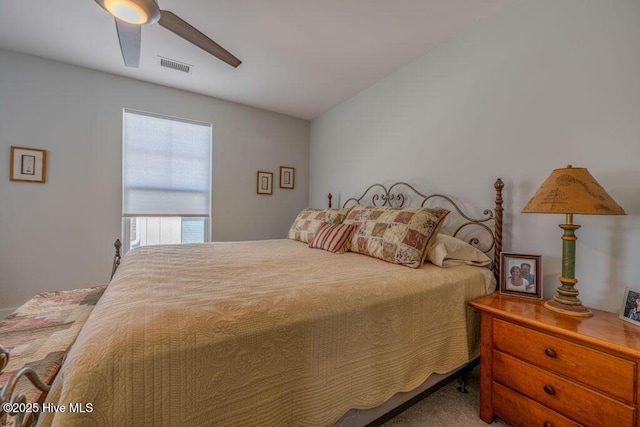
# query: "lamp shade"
{"type": "Point", "coordinates": [572, 191]}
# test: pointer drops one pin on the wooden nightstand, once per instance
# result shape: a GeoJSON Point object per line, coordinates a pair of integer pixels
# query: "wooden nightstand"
{"type": "Point", "coordinates": [540, 368]}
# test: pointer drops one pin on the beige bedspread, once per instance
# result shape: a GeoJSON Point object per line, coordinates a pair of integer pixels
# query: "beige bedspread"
{"type": "Point", "coordinates": [267, 333]}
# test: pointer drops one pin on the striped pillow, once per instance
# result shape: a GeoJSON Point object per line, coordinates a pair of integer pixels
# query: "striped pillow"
{"type": "Point", "coordinates": [334, 238]}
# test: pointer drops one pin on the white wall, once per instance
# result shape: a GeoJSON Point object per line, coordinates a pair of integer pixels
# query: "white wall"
{"type": "Point", "coordinates": [545, 84]}
{"type": "Point", "coordinates": [59, 235]}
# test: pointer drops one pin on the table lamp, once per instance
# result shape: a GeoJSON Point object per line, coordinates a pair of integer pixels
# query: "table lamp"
{"type": "Point", "coordinates": [571, 191]}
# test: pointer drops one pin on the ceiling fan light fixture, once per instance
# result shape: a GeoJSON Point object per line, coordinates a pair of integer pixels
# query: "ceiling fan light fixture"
{"type": "Point", "coordinates": [132, 11]}
{"type": "Point", "coordinates": [126, 11]}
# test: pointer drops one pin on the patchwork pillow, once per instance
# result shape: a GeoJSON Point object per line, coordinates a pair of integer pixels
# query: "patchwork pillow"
{"type": "Point", "coordinates": [397, 235]}
{"type": "Point", "coordinates": [448, 251]}
{"type": "Point", "coordinates": [309, 220]}
{"type": "Point", "coordinates": [334, 238]}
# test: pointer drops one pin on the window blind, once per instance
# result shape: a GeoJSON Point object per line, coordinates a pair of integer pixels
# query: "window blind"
{"type": "Point", "coordinates": [166, 166]}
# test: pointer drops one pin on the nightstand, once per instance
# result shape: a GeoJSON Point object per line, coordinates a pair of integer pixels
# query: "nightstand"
{"type": "Point", "coordinates": [541, 368]}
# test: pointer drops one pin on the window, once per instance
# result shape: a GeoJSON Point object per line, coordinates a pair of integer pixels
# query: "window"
{"type": "Point", "coordinates": [166, 180]}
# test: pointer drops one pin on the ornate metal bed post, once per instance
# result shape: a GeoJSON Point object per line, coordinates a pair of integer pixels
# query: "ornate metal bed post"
{"type": "Point", "coordinates": [20, 418]}
{"type": "Point", "coordinates": [330, 197]}
{"type": "Point", "coordinates": [497, 251]}
{"type": "Point", "coordinates": [116, 258]}
{"type": "Point", "coordinates": [4, 358]}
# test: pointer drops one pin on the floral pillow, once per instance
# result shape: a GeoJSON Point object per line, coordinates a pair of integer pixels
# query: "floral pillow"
{"type": "Point", "coordinates": [309, 220]}
{"type": "Point", "coordinates": [334, 238]}
{"type": "Point", "coordinates": [397, 235]}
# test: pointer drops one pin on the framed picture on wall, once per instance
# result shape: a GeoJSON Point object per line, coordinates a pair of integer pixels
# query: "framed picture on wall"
{"type": "Point", "coordinates": [265, 182]}
{"type": "Point", "coordinates": [28, 165]}
{"type": "Point", "coordinates": [287, 177]}
{"type": "Point", "coordinates": [630, 310]}
{"type": "Point", "coordinates": [521, 275]}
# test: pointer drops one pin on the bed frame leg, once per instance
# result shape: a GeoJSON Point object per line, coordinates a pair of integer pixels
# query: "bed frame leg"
{"type": "Point", "coordinates": [463, 382]}
{"type": "Point", "coordinates": [464, 375]}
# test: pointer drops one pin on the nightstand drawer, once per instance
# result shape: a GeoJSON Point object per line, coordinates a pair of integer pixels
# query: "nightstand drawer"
{"type": "Point", "coordinates": [517, 409]}
{"type": "Point", "coordinates": [580, 403]}
{"type": "Point", "coordinates": [605, 372]}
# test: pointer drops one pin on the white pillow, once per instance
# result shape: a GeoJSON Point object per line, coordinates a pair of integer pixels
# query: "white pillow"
{"type": "Point", "coordinates": [448, 251]}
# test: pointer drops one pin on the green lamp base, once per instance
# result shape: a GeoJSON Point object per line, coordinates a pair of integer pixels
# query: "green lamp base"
{"type": "Point", "coordinates": [569, 310]}
{"type": "Point", "coordinates": [566, 300]}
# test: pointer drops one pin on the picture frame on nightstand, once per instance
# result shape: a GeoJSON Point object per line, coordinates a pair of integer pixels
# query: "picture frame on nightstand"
{"type": "Point", "coordinates": [521, 275]}
{"type": "Point", "coordinates": [630, 310]}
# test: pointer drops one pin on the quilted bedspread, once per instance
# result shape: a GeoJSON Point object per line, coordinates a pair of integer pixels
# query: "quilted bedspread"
{"type": "Point", "coordinates": [263, 333]}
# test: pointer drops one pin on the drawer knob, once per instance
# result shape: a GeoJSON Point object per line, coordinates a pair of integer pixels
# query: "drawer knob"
{"type": "Point", "coordinates": [550, 352]}
{"type": "Point", "coordinates": [549, 390]}
{"type": "Point", "coordinates": [547, 424]}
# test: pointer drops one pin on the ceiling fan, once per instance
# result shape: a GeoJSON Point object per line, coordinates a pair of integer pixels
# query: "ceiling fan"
{"type": "Point", "coordinates": [130, 15]}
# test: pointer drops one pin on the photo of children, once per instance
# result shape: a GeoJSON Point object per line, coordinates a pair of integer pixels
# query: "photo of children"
{"type": "Point", "coordinates": [631, 306]}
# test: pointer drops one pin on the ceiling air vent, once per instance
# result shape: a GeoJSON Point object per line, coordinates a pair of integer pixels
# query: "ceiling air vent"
{"type": "Point", "coordinates": [174, 65]}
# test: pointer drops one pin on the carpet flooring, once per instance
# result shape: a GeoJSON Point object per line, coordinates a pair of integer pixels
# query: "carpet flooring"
{"type": "Point", "coordinates": [447, 407]}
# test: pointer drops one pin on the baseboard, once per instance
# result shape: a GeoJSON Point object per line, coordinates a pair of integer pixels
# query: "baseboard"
{"type": "Point", "coordinates": [4, 312]}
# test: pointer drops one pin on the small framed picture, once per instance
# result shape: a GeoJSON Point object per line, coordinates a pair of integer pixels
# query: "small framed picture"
{"type": "Point", "coordinates": [630, 310]}
{"type": "Point", "coordinates": [28, 165]}
{"type": "Point", "coordinates": [287, 177]}
{"type": "Point", "coordinates": [521, 275]}
{"type": "Point", "coordinates": [265, 182]}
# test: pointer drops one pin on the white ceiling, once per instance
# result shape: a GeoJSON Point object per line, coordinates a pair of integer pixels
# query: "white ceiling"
{"type": "Point", "coordinates": [300, 57]}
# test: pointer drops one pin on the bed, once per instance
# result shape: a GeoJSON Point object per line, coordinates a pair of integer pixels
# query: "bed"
{"type": "Point", "coordinates": [278, 332]}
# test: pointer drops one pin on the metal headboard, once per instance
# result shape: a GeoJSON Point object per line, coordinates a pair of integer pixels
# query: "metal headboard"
{"type": "Point", "coordinates": [462, 225]}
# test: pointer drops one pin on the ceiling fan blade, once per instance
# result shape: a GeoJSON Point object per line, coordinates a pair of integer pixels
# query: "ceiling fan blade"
{"type": "Point", "coordinates": [129, 36]}
{"type": "Point", "coordinates": [177, 25]}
